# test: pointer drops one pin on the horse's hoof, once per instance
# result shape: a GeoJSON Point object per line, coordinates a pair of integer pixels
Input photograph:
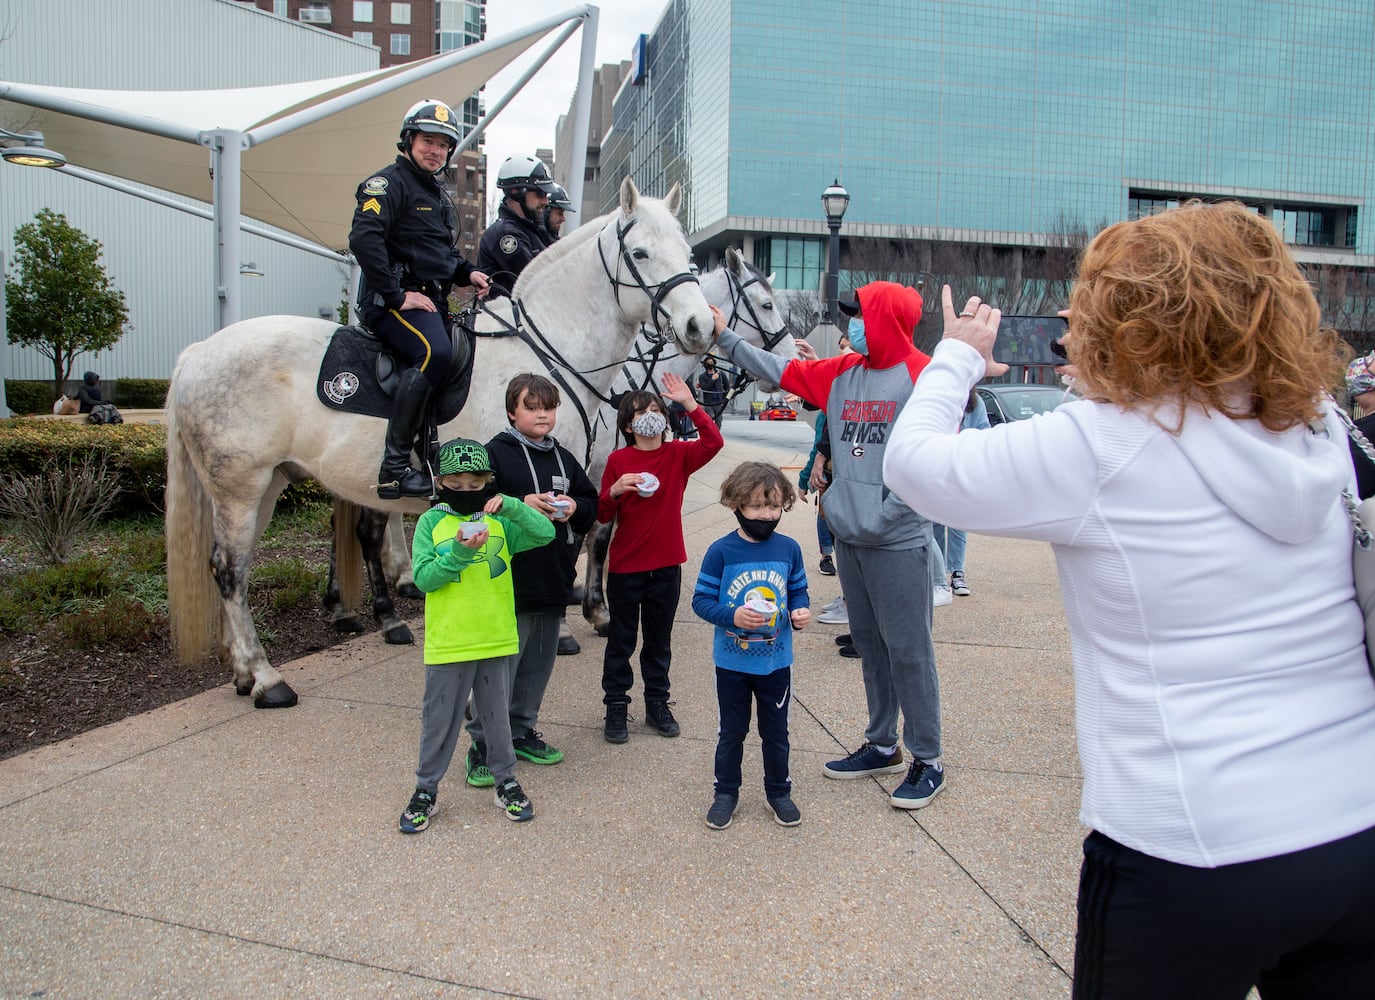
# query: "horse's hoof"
{"type": "Point", "coordinates": [278, 696]}
{"type": "Point", "coordinates": [398, 635]}
{"type": "Point", "coordinates": [353, 625]}
{"type": "Point", "coordinates": [568, 646]}
{"type": "Point", "coordinates": [602, 630]}
{"type": "Point", "coordinates": [243, 688]}
{"type": "Point", "coordinates": [411, 592]}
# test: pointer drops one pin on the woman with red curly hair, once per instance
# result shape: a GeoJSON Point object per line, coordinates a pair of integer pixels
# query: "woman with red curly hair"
{"type": "Point", "coordinates": [1225, 708]}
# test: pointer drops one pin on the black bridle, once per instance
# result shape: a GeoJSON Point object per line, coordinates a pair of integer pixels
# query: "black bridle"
{"type": "Point", "coordinates": [523, 325]}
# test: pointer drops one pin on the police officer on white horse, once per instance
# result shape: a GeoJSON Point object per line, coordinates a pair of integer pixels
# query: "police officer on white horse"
{"type": "Point", "coordinates": [403, 236]}
{"type": "Point", "coordinates": [517, 235]}
{"type": "Point", "coordinates": [554, 213]}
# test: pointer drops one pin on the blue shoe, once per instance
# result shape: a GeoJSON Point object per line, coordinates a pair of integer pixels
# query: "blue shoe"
{"type": "Point", "coordinates": [923, 783]}
{"type": "Point", "coordinates": [418, 814]}
{"type": "Point", "coordinates": [722, 810]}
{"type": "Point", "coordinates": [865, 761]}
{"type": "Point", "coordinates": [784, 812]}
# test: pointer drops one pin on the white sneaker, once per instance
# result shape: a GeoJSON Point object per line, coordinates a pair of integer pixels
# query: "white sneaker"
{"type": "Point", "coordinates": [940, 597]}
{"type": "Point", "coordinates": [836, 616]}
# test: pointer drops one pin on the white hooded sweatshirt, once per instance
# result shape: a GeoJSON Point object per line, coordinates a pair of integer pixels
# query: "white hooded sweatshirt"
{"type": "Point", "coordinates": [1224, 708]}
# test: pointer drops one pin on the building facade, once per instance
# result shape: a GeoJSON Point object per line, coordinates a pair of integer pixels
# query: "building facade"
{"type": "Point", "coordinates": [999, 123]}
{"type": "Point", "coordinates": [605, 83]}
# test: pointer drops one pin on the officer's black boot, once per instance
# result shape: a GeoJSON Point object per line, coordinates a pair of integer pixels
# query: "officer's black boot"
{"type": "Point", "coordinates": [397, 478]}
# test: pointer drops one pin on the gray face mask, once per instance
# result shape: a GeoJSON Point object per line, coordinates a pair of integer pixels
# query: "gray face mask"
{"type": "Point", "coordinates": [649, 424]}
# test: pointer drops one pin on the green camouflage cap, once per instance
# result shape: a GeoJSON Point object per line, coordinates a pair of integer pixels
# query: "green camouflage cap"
{"type": "Point", "coordinates": [463, 455]}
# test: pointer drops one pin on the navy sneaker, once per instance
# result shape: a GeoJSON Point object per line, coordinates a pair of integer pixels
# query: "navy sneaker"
{"type": "Point", "coordinates": [828, 567]}
{"type": "Point", "coordinates": [419, 813]}
{"type": "Point", "coordinates": [784, 812]}
{"type": "Point", "coordinates": [867, 760]}
{"type": "Point", "coordinates": [922, 784]}
{"type": "Point", "coordinates": [512, 801]}
{"type": "Point", "coordinates": [722, 810]}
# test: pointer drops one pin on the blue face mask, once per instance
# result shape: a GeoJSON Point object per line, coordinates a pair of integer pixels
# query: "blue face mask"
{"type": "Point", "coordinates": [856, 334]}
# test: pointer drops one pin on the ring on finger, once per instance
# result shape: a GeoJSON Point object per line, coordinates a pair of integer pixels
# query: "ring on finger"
{"type": "Point", "coordinates": [967, 313]}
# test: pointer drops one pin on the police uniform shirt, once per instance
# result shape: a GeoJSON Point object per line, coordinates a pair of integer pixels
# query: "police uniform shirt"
{"type": "Point", "coordinates": [509, 244]}
{"type": "Point", "coordinates": [403, 236]}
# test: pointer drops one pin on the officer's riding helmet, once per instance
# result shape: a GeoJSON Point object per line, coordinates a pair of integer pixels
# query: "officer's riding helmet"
{"type": "Point", "coordinates": [558, 198]}
{"type": "Point", "coordinates": [519, 174]}
{"type": "Point", "coordinates": [434, 117]}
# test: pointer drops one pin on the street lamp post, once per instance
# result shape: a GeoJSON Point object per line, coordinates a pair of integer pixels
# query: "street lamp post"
{"type": "Point", "coordinates": [834, 200]}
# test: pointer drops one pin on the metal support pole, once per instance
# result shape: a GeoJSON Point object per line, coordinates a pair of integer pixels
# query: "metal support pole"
{"type": "Point", "coordinates": [582, 107]}
{"type": "Point", "coordinates": [833, 274]}
{"type": "Point", "coordinates": [226, 148]}
{"type": "Point", "coordinates": [4, 338]}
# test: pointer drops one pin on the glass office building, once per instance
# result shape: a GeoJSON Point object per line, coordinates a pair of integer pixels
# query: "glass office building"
{"type": "Point", "coordinates": [996, 121]}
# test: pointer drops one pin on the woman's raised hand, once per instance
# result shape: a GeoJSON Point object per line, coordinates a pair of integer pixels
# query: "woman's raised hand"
{"type": "Point", "coordinates": [976, 325]}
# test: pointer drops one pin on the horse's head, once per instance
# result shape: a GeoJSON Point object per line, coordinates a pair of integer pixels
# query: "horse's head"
{"type": "Point", "coordinates": [644, 248]}
{"type": "Point", "coordinates": [745, 295]}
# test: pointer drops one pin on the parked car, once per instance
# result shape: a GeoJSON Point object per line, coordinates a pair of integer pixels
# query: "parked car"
{"type": "Point", "coordinates": [776, 409]}
{"type": "Point", "coordinates": [1016, 401]}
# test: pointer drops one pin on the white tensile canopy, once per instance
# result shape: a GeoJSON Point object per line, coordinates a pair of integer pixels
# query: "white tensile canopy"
{"type": "Point", "coordinates": [289, 156]}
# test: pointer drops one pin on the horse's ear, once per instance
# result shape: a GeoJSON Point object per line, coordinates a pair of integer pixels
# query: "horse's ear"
{"type": "Point", "coordinates": [772, 275]}
{"type": "Point", "coordinates": [674, 200]}
{"type": "Point", "coordinates": [735, 262]}
{"type": "Point", "coordinates": [629, 196]}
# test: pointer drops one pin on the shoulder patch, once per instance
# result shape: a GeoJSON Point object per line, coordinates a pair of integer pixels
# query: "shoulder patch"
{"type": "Point", "coordinates": [375, 185]}
{"type": "Point", "coordinates": [507, 244]}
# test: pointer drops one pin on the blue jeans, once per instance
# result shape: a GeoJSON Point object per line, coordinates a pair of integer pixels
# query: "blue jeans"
{"type": "Point", "coordinates": [951, 542]}
{"type": "Point", "coordinates": [823, 536]}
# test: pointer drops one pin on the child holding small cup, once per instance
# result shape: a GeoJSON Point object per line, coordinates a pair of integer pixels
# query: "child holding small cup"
{"type": "Point", "coordinates": [753, 588]}
{"type": "Point", "coordinates": [642, 492]}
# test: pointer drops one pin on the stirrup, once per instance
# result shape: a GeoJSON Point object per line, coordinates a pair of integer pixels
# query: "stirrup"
{"type": "Point", "coordinates": [394, 490]}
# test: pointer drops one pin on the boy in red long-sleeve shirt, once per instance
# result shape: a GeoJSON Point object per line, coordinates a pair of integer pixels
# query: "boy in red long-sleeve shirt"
{"type": "Point", "coordinates": [642, 491]}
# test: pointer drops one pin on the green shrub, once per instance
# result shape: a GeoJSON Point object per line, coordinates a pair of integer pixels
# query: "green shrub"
{"type": "Point", "coordinates": [30, 598]}
{"type": "Point", "coordinates": [29, 396]}
{"type": "Point", "coordinates": [137, 452]}
{"type": "Point", "coordinates": [286, 583]}
{"type": "Point", "coordinates": [120, 623]}
{"type": "Point", "coordinates": [140, 393]}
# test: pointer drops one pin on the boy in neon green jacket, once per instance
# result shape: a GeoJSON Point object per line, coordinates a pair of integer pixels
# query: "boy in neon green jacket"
{"type": "Point", "coordinates": [461, 559]}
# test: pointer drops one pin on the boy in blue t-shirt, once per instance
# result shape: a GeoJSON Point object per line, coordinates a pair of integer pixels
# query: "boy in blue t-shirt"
{"type": "Point", "coordinates": [753, 588]}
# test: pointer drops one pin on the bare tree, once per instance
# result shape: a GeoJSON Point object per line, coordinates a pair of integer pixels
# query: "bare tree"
{"type": "Point", "coordinates": [1346, 296]}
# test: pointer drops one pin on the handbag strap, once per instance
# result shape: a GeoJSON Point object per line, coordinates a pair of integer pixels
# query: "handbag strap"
{"type": "Point", "coordinates": [1358, 528]}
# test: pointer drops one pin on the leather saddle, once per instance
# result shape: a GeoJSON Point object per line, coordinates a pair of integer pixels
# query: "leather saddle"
{"type": "Point", "coordinates": [359, 374]}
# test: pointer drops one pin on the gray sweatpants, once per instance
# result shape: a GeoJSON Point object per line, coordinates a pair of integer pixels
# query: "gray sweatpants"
{"type": "Point", "coordinates": [447, 686]}
{"type": "Point", "coordinates": [888, 596]}
{"type": "Point", "coordinates": [530, 671]}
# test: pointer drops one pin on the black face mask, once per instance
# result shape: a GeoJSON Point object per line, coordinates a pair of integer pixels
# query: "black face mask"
{"type": "Point", "coordinates": [467, 501]}
{"type": "Point", "coordinates": [757, 528]}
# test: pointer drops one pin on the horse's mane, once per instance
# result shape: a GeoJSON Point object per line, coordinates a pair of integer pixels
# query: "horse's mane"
{"type": "Point", "coordinates": [549, 258]}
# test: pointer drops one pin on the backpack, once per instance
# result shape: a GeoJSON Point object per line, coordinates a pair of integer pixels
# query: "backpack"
{"type": "Point", "coordinates": [105, 413]}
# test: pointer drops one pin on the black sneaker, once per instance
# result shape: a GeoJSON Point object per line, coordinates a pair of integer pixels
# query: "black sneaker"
{"type": "Point", "coordinates": [828, 567]}
{"type": "Point", "coordinates": [658, 716]}
{"type": "Point", "coordinates": [784, 812]}
{"type": "Point", "coordinates": [513, 802]}
{"type": "Point", "coordinates": [849, 652]}
{"type": "Point", "coordinates": [845, 640]}
{"type": "Point", "coordinates": [722, 811]}
{"type": "Point", "coordinates": [418, 814]}
{"type": "Point", "coordinates": [615, 730]}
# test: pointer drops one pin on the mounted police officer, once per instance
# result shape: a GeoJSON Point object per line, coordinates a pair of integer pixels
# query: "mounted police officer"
{"type": "Point", "coordinates": [554, 213]}
{"type": "Point", "coordinates": [403, 236]}
{"type": "Point", "coordinates": [518, 234]}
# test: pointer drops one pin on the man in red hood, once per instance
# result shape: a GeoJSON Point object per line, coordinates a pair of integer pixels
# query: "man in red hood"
{"type": "Point", "coordinates": [881, 544]}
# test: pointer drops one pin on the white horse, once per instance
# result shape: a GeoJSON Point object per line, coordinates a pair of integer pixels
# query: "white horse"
{"type": "Point", "coordinates": [237, 433]}
{"type": "Point", "coordinates": [740, 291]}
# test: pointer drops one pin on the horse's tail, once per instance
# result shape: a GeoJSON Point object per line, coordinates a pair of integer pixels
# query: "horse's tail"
{"type": "Point", "coordinates": [348, 555]}
{"type": "Point", "coordinates": [193, 599]}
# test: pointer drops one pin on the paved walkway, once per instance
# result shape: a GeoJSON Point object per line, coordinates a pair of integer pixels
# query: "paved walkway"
{"type": "Point", "coordinates": [210, 850]}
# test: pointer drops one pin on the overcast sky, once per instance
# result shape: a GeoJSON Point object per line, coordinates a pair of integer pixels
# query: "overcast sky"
{"type": "Point", "coordinates": [528, 121]}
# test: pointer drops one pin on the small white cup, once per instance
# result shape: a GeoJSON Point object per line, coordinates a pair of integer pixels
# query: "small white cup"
{"type": "Point", "coordinates": [468, 529]}
{"type": "Point", "coordinates": [760, 606]}
{"type": "Point", "coordinates": [649, 482]}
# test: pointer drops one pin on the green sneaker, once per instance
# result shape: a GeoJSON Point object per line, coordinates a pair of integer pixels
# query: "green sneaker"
{"type": "Point", "coordinates": [532, 747]}
{"type": "Point", "coordinates": [478, 774]}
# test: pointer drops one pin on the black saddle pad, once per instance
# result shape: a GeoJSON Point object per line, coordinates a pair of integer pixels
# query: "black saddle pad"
{"type": "Point", "coordinates": [358, 374]}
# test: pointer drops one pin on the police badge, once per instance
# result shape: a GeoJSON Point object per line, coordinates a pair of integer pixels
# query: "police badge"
{"type": "Point", "coordinates": [507, 244]}
{"type": "Point", "coordinates": [375, 185]}
{"type": "Point", "coordinates": [341, 387]}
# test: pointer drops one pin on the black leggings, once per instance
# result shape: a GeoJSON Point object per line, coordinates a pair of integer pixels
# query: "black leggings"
{"type": "Point", "coordinates": [1299, 926]}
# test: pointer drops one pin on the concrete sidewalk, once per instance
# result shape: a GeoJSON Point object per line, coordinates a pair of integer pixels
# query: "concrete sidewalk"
{"type": "Point", "coordinates": [210, 850]}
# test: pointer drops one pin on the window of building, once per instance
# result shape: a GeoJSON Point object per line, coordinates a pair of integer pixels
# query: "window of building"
{"type": "Point", "coordinates": [279, 7]}
{"type": "Point", "coordinates": [316, 13]}
{"type": "Point", "coordinates": [796, 262]}
{"type": "Point", "coordinates": [400, 45]}
{"type": "Point", "coordinates": [1301, 225]}
{"type": "Point", "coordinates": [362, 11]}
{"type": "Point", "coordinates": [400, 13]}
{"type": "Point", "coordinates": [363, 36]}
